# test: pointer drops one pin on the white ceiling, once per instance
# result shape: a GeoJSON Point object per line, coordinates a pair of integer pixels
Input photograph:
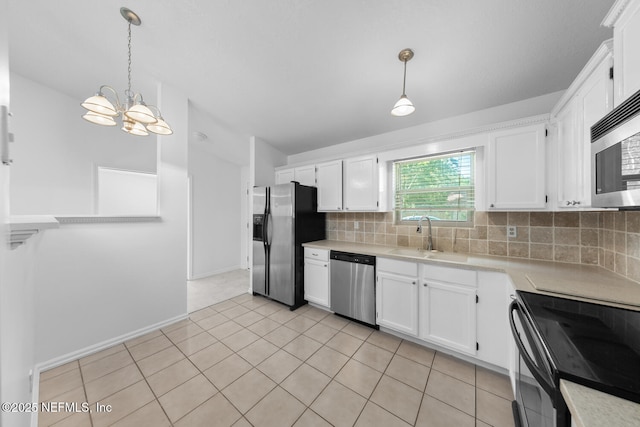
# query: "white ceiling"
{"type": "Point", "coordinates": [304, 74]}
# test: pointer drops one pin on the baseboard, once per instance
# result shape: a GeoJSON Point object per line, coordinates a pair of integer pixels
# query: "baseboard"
{"type": "Point", "coordinates": [212, 273]}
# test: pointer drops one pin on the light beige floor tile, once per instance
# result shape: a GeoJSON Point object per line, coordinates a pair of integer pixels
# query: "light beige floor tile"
{"type": "Point", "coordinates": [244, 298]}
{"type": "Point", "coordinates": [316, 314]}
{"type": "Point", "coordinates": [143, 338]}
{"type": "Point", "coordinates": [481, 424]}
{"type": "Point", "coordinates": [149, 347]}
{"type": "Point", "coordinates": [186, 397]}
{"type": "Point", "coordinates": [416, 352]}
{"type": "Point", "coordinates": [207, 357]}
{"type": "Point", "coordinates": [240, 339]}
{"type": "Point", "coordinates": [258, 351]}
{"type": "Point", "coordinates": [264, 326]}
{"type": "Point", "coordinates": [328, 361]}
{"type": "Point", "coordinates": [107, 352]}
{"type": "Point", "coordinates": [357, 330]}
{"type": "Point", "coordinates": [222, 306]}
{"type": "Point", "coordinates": [452, 391]}
{"type": "Point", "coordinates": [150, 415]}
{"type": "Point", "coordinates": [493, 409]}
{"type": "Point", "coordinates": [248, 390]}
{"type": "Point", "coordinates": [311, 419]}
{"type": "Point", "coordinates": [235, 312]}
{"type": "Point", "coordinates": [211, 322]}
{"type": "Point", "coordinates": [455, 367]}
{"type": "Point", "coordinates": [255, 303]}
{"type": "Point", "coordinates": [374, 416]}
{"type": "Point", "coordinates": [47, 418]}
{"type": "Point", "coordinates": [359, 377]}
{"type": "Point", "coordinates": [48, 374]}
{"type": "Point", "coordinates": [302, 347]}
{"type": "Point", "coordinates": [277, 409]}
{"type": "Point", "coordinates": [215, 411]}
{"type": "Point", "coordinates": [339, 405]}
{"type": "Point", "coordinates": [123, 403]}
{"type": "Point", "coordinates": [376, 357]}
{"type": "Point", "coordinates": [227, 371]}
{"type": "Point", "coordinates": [279, 366]}
{"type": "Point", "coordinates": [335, 322]}
{"type": "Point", "coordinates": [242, 422]}
{"type": "Point", "coordinates": [268, 309]}
{"type": "Point", "coordinates": [345, 343]}
{"type": "Point", "coordinates": [494, 382]}
{"type": "Point", "coordinates": [283, 316]}
{"type": "Point", "coordinates": [384, 340]}
{"type": "Point", "coordinates": [281, 336]}
{"type": "Point", "coordinates": [300, 323]}
{"type": "Point", "coordinates": [105, 365]}
{"type": "Point", "coordinates": [225, 329]}
{"type": "Point", "coordinates": [321, 333]}
{"type": "Point", "coordinates": [305, 383]}
{"type": "Point", "coordinates": [196, 343]}
{"type": "Point", "coordinates": [80, 419]}
{"type": "Point", "coordinates": [177, 325]}
{"type": "Point", "coordinates": [248, 319]}
{"type": "Point", "coordinates": [172, 376]}
{"type": "Point", "coordinates": [111, 383]}
{"type": "Point", "coordinates": [397, 398]}
{"type": "Point", "coordinates": [60, 384]}
{"type": "Point", "coordinates": [434, 413]}
{"type": "Point", "coordinates": [409, 372]}
{"type": "Point", "coordinates": [201, 314]}
{"type": "Point", "coordinates": [183, 333]}
{"type": "Point", "coordinates": [160, 360]}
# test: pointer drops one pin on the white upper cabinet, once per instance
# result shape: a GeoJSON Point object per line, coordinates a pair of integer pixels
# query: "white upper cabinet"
{"type": "Point", "coordinates": [361, 186]}
{"type": "Point", "coordinates": [329, 183]}
{"type": "Point", "coordinates": [586, 101]}
{"type": "Point", "coordinates": [516, 168]}
{"type": "Point", "coordinates": [624, 17]}
{"type": "Point", "coordinates": [305, 175]}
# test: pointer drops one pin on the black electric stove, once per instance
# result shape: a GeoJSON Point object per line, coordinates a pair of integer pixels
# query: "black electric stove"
{"type": "Point", "coordinates": [590, 344]}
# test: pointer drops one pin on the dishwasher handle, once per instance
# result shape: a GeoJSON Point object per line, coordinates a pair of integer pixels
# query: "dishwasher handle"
{"type": "Point", "coordinates": [352, 257]}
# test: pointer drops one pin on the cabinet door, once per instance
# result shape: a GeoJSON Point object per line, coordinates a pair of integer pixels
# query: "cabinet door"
{"type": "Point", "coordinates": [626, 45]}
{"type": "Point", "coordinates": [306, 175]}
{"type": "Point", "coordinates": [448, 315]}
{"type": "Point", "coordinates": [284, 176]}
{"type": "Point", "coordinates": [516, 168]}
{"type": "Point", "coordinates": [397, 302]}
{"type": "Point", "coordinates": [329, 183]}
{"type": "Point", "coordinates": [361, 183]}
{"type": "Point", "coordinates": [492, 321]}
{"type": "Point", "coordinates": [570, 154]}
{"type": "Point", "coordinates": [316, 281]}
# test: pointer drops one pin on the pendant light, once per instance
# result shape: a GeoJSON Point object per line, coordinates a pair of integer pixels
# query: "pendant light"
{"type": "Point", "coordinates": [137, 117]}
{"type": "Point", "coordinates": [404, 106]}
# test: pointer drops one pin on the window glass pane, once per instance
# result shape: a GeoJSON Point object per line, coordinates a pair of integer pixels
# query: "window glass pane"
{"type": "Point", "coordinates": [441, 187]}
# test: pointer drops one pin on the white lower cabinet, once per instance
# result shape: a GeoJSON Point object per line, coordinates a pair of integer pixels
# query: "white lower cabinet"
{"type": "Point", "coordinates": [493, 321]}
{"type": "Point", "coordinates": [397, 295]}
{"type": "Point", "coordinates": [448, 315]}
{"type": "Point", "coordinates": [316, 276]}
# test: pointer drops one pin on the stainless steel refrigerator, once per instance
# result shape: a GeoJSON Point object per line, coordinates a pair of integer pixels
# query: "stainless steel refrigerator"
{"type": "Point", "coordinates": [284, 217]}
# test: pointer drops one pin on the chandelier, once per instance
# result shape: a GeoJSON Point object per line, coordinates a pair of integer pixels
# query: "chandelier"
{"type": "Point", "coordinates": [404, 106]}
{"type": "Point", "coordinates": [137, 117]}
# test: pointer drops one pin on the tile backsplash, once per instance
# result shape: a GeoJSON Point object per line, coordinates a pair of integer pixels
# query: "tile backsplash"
{"type": "Point", "coordinates": [608, 239]}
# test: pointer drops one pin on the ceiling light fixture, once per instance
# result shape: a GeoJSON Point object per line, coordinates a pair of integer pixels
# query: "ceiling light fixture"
{"type": "Point", "coordinates": [404, 106]}
{"type": "Point", "coordinates": [137, 117]}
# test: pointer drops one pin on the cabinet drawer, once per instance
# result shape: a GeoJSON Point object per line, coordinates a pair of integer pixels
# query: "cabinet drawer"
{"type": "Point", "coordinates": [404, 268]}
{"type": "Point", "coordinates": [451, 275]}
{"type": "Point", "coordinates": [319, 254]}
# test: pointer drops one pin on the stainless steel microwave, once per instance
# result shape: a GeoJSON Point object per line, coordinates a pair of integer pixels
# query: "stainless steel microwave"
{"type": "Point", "coordinates": [615, 157]}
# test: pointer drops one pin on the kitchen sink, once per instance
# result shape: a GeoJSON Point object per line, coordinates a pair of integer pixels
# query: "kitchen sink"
{"type": "Point", "coordinates": [414, 252]}
{"type": "Point", "coordinates": [434, 255]}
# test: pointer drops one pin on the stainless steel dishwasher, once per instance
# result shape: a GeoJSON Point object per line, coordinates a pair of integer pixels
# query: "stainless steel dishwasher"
{"type": "Point", "coordinates": [353, 286]}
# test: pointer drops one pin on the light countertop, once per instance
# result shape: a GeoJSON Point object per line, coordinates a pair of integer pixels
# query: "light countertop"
{"type": "Point", "coordinates": [588, 407]}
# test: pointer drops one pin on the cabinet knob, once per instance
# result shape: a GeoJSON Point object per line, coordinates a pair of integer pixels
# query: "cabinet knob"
{"type": "Point", "coordinates": [424, 284]}
{"type": "Point", "coordinates": [325, 265]}
{"type": "Point", "coordinates": [491, 205]}
{"type": "Point", "coordinates": [413, 283]}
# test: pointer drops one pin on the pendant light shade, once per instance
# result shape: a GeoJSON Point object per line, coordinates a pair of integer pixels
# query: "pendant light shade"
{"type": "Point", "coordinates": [404, 106]}
{"type": "Point", "coordinates": [137, 117]}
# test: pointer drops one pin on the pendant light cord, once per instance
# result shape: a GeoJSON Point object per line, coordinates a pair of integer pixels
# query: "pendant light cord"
{"type": "Point", "coordinates": [404, 80]}
{"type": "Point", "coordinates": [129, 68]}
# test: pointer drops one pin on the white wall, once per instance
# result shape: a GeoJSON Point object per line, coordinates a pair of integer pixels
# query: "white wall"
{"type": "Point", "coordinates": [263, 161]}
{"type": "Point", "coordinates": [56, 151]}
{"type": "Point", "coordinates": [216, 191]}
{"type": "Point", "coordinates": [95, 283]}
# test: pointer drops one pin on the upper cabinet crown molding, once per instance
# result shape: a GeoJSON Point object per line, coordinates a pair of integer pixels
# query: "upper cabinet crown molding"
{"type": "Point", "coordinates": [615, 13]}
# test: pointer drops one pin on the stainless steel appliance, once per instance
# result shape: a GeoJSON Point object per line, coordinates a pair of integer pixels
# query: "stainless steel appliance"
{"type": "Point", "coordinates": [284, 217]}
{"type": "Point", "coordinates": [594, 345]}
{"type": "Point", "coordinates": [615, 157]}
{"type": "Point", "coordinates": [353, 285]}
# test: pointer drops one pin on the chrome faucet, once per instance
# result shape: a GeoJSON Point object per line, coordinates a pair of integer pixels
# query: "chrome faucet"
{"type": "Point", "coordinates": [419, 230]}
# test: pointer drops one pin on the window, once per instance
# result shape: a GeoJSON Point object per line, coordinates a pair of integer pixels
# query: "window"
{"type": "Point", "coordinates": [440, 186]}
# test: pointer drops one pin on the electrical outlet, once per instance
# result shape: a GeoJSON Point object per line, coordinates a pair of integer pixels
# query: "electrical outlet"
{"type": "Point", "coordinates": [512, 231]}
{"type": "Point", "coordinates": [356, 225]}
